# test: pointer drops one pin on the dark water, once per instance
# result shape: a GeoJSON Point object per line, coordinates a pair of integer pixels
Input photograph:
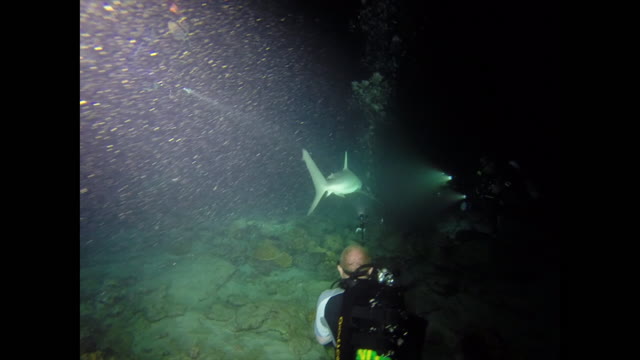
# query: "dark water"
{"type": "Point", "coordinates": [193, 193]}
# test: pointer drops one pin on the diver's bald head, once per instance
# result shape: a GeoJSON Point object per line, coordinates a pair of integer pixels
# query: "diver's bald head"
{"type": "Point", "coordinates": [353, 257]}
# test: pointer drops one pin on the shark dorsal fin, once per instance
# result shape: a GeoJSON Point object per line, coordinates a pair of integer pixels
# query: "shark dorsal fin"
{"type": "Point", "coordinates": [345, 160]}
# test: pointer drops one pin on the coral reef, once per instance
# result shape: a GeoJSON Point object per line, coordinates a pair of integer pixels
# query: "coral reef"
{"type": "Point", "coordinates": [97, 355]}
{"type": "Point", "coordinates": [372, 94]}
{"type": "Point", "coordinates": [299, 345]}
{"type": "Point", "coordinates": [92, 356]}
{"type": "Point", "coordinates": [284, 260]}
{"type": "Point", "coordinates": [251, 317]}
{"type": "Point", "coordinates": [372, 98]}
{"type": "Point", "coordinates": [174, 312]}
{"type": "Point", "coordinates": [267, 251]}
{"type": "Point", "coordinates": [288, 321]}
{"type": "Point", "coordinates": [297, 238]}
{"type": "Point", "coordinates": [194, 352]}
{"type": "Point", "coordinates": [219, 312]}
{"type": "Point", "coordinates": [161, 310]}
{"type": "Point", "coordinates": [334, 243]}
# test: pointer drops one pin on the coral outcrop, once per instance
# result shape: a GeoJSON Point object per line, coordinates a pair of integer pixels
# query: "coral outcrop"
{"type": "Point", "coordinates": [267, 251]}
{"type": "Point", "coordinates": [97, 355]}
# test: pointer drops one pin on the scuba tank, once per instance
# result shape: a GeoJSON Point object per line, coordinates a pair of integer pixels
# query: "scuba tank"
{"type": "Point", "coordinates": [373, 322]}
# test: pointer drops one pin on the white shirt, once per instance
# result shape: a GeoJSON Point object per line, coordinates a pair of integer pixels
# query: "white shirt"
{"type": "Point", "coordinates": [321, 327]}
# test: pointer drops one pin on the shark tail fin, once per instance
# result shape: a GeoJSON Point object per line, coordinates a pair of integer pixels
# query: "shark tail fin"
{"type": "Point", "coordinates": [319, 182]}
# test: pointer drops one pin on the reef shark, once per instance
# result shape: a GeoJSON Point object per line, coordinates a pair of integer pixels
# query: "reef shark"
{"type": "Point", "coordinates": [341, 183]}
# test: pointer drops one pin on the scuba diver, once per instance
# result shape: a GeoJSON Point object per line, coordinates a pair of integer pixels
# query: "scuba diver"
{"type": "Point", "coordinates": [365, 317]}
{"type": "Point", "coordinates": [501, 191]}
{"type": "Point", "coordinates": [362, 226]}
